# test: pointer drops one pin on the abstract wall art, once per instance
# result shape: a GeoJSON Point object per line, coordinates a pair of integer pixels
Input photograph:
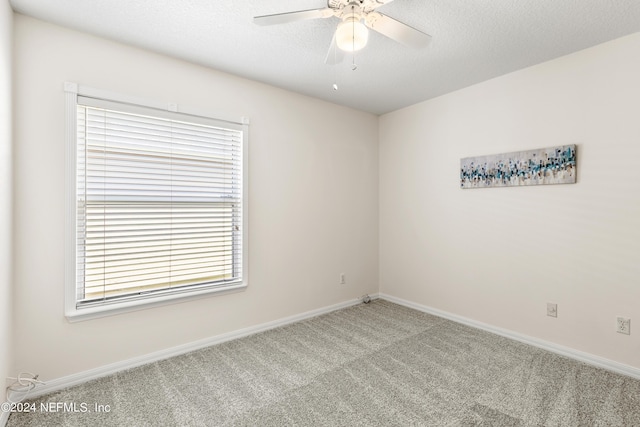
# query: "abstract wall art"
{"type": "Point", "coordinates": [553, 165]}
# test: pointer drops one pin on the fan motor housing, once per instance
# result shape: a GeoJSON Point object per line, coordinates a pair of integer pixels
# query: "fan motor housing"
{"type": "Point", "coordinates": [364, 5]}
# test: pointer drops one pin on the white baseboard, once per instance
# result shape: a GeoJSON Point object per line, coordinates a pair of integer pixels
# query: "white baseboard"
{"type": "Point", "coordinates": [587, 358]}
{"type": "Point", "coordinates": [82, 377]}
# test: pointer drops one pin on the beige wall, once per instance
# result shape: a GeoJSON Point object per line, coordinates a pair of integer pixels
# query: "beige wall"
{"type": "Point", "coordinates": [313, 201]}
{"type": "Point", "coordinates": [499, 255]}
{"type": "Point", "coordinates": [6, 31]}
{"type": "Point", "coordinates": [493, 255]}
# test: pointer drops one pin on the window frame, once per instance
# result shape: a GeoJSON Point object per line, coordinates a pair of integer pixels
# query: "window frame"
{"type": "Point", "coordinates": [126, 304]}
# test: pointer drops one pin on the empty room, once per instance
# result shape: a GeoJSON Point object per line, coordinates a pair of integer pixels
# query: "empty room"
{"type": "Point", "coordinates": [319, 213]}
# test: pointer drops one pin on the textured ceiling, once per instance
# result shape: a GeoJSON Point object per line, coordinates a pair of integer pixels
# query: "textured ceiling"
{"type": "Point", "coordinates": [473, 40]}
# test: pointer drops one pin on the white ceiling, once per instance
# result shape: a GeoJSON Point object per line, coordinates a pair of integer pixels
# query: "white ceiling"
{"type": "Point", "coordinates": [473, 40]}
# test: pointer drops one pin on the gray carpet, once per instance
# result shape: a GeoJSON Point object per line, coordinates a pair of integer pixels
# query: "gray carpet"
{"type": "Point", "coordinates": [379, 364]}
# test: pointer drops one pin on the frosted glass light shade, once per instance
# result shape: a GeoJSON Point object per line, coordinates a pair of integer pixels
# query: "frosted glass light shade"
{"type": "Point", "coordinates": [351, 35]}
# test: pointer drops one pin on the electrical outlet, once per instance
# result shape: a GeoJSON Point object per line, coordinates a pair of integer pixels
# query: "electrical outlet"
{"type": "Point", "coordinates": [343, 278]}
{"type": "Point", "coordinates": [552, 309]}
{"type": "Point", "coordinates": [623, 325]}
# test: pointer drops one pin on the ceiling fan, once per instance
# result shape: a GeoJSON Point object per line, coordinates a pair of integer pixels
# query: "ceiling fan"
{"type": "Point", "coordinates": [352, 33]}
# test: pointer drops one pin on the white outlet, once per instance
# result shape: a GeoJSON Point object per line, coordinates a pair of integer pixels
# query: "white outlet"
{"type": "Point", "coordinates": [623, 325]}
{"type": "Point", "coordinates": [343, 278]}
{"type": "Point", "coordinates": [552, 309]}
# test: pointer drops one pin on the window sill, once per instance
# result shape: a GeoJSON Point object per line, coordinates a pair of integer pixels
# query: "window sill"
{"type": "Point", "coordinates": [74, 314]}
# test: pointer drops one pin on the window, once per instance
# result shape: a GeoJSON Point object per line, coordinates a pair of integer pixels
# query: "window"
{"type": "Point", "coordinates": [158, 207]}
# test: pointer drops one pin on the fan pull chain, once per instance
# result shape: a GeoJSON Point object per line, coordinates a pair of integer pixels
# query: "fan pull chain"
{"type": "Point", "coordinates": [335, 66]}
{"type": "Point", "coordinates": [353, 42]}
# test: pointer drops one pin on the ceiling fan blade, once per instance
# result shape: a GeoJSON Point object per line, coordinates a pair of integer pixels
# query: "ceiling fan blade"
{"type": "Point", "coordinates": [283, 18]}
{"type": "Point", "coordinates": [396, 30]}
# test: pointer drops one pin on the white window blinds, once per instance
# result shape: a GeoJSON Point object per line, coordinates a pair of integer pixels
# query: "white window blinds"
{"type": "Point", "coordinates": [159, 201]}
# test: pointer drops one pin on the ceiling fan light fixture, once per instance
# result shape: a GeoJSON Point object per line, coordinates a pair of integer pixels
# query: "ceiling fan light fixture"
{"type": "Point", "coordinates": [351, 35]}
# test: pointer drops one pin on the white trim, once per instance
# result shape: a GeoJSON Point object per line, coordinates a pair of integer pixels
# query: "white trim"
{"type": "Point", "coordinates": [70, 132]}
{"type": "Point", "coordinates": [71, 92]}
{"type": "Point", "coordinates": [587, 358]}
{"type": "Point", "coordinates": [82, 377]}
{"type": "Point", "coordinates": [90, 92]}
{"type": "Point", "coordinates": [87, 313]}
{"type": "Point", "coordinates": [4, 418]}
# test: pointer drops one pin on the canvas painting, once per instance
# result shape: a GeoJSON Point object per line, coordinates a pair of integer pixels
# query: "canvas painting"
{"type": "Point", "coordinates": [553, 165]}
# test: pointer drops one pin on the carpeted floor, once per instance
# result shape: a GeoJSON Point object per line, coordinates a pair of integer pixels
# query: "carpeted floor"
{"type": "Point", "coordinates": [379, 364]}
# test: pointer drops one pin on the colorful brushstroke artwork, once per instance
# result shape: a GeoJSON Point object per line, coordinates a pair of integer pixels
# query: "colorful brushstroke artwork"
{"type": "Point", "coordinates": [554, 165]}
